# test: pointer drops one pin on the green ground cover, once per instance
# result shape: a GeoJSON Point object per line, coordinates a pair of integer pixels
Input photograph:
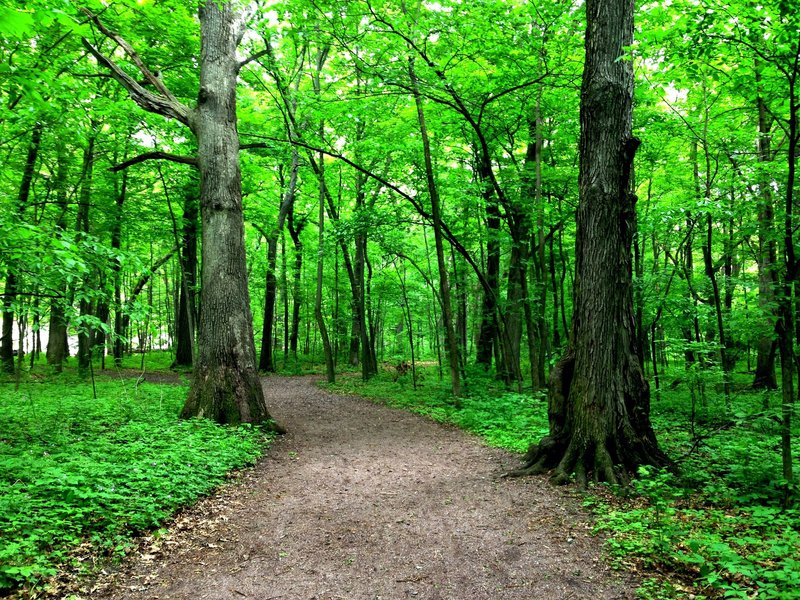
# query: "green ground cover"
{"type": "Point", "coordinates": [78, 471]}
{"type": "Point", "coordinates": [715, 528]}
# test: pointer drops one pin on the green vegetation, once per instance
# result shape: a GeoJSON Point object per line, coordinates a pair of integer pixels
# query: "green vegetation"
{"type": "Point", "coordinates": [713, 529]}
{"type": "Point", "coordinates": [78, 472]}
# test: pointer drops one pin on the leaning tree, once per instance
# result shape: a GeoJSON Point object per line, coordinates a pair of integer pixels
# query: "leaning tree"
{"type": "Point", "coordinates": [599, 403]}
{"type": "Point", "coordinates": [225, 385]}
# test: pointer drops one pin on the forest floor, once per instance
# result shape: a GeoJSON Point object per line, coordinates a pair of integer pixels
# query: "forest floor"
{"type": "Point", "coordinates": [361, 501]}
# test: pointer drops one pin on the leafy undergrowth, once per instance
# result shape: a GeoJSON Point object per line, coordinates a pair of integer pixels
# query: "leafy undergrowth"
{"type": "Point", "coordinates": [714, 530]}
{"type": "Point", "coordinates": [717, 527]}
{"type": "Point", "coordinates": [80, 474]}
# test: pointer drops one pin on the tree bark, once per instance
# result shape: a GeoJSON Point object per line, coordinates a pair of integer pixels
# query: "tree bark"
{"type": "Point", "coordinates": [330, 367]}
{"type": "Point", "coordinates": [82, 228]}
{"type": "Point", "coordinates": [295, 229]}
{"type": "Point", "coordinates": [226, 386]}
{"type": "Point", "coordinates": [444, 286]}
{"type": "Point", "coordinates": [488, 329]}
{"type": "Point", "coordinates": [10, 295]}
{"type": "Point", "coordinates": [765, 377]}
{"type": "Point", "coordinates": [266, 361]}
{"type": "Point", "coordinates": [599, 406]}
{"type": "Point", "coordinates": [187, 309]}
{"type": "Point", "coordinates": [57, 328]}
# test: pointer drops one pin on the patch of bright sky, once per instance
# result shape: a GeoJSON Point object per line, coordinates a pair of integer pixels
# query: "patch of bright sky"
{"type": "Point", "coordinates": [437, 7]}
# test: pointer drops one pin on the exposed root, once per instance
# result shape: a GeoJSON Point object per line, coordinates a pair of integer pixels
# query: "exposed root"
{"type": "Point", "coordinates": [525, 471]}
{"type": "Point", "coordinates": [540, 458]}
{"type": "Point", "coordinates": [576, 463]}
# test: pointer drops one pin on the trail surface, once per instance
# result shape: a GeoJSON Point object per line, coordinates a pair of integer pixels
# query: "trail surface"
{"type": "Point", "coordinates": [360, 501]}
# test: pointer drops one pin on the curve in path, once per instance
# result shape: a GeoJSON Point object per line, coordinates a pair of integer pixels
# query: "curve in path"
{"type": "Point", "coordinates": [360, 501]}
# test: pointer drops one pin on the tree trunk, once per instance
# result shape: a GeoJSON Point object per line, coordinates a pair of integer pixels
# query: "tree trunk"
{"type": "Point", "coordinates": [444, 291]}
{"type": "Point", "coordinates": [116, 243]}
{"type": "Point", "coordinates": [10, 295]}
{"type": "Point", "coordinates": [765, 377]}
{"type": "Point", "coordinates": [599, 405]}
{"type": "Point", "coordinates": [330, 368]}
{"type": "Point", "coordinates": [187, 310]}
{"type": "Point", "coordinates": [295, 229]}
{"type": "Point", "coordinates": [82, 228]}
{"type": "Point", "coordinates": [516, 299]}
{"type": "Point", "coordinates": [57, 328]}
{"type": "Point", "coordinates": [266, 361]}
{"type": "Point", "coordinates": [488, 329]}
{"type": "Point", "coordinates": [226, 386]}
{"type": "Point", "coordinates": [785, 323]}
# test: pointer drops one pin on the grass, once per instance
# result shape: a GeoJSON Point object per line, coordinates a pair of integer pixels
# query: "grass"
{"type": "Point", "coordinates": [715, 529]}
{"type": "Point", "coordinates": [79, 473]}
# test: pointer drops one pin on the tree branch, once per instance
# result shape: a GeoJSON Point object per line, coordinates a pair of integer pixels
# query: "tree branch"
{"type": "Point", "coordinates": [149, 101]}
{"type": "Point", "coordinates": [448, 234]}
{"type": "Point", "coordinates": [176, 158]}
{"type": "Point", "coordinates": [149, 76]}
{"type": "Point", "coordinates": [254, 57]}
{"type": "Point", "coordinates": [163, 103]}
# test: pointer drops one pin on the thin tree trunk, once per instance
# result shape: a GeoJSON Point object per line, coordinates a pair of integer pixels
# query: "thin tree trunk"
{"type": "Point", "coordinates": [444, 292]}
{"type": "Point", "coordinates": [57, 327]}
{"type": "Point", "coordinates": [330, 369]}
{"type": "Point", "coordinates": [765, 377]}
{"type": "Point", "coordinates": [297, 288]}
{"type": "Point", "coordinates": [82, 228]}
{"type": "Point", "coordinates": [488, 328]}
{"type": "Point", "coordinates": [266, 360]}
{"type": "Point", "coordinates": [187, 309]}
{"type": "Point", "coordinates": [11, 287]}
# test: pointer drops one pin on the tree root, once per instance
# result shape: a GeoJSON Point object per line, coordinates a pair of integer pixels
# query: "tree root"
{"type": "Point", "coordinates": [575, 462]}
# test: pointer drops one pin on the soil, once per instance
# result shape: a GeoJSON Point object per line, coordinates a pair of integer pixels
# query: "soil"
{"type": "Point", "coordinates": [361, 501]}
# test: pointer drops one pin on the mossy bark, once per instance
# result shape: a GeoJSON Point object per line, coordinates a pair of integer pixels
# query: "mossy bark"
{"type": "Point", "coordinates": [599, 405]}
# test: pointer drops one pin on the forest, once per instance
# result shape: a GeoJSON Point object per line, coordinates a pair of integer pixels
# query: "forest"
{"type": "Point", "coordinates": [567, 227]}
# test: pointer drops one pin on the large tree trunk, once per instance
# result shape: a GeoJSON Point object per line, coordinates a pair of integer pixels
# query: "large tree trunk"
{"type": "Point", "coordinates": [226, 386]}
{"type": "Point", "coordinates": [599, 399]}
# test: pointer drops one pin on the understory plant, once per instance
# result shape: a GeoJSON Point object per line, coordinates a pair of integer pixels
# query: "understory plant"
{"type": "Point", "coordinates": [81, 474]}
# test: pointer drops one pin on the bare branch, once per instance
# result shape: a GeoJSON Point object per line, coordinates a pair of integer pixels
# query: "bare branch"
{"type": "Point", "coordinates": [255, 56]}
{"type": "Point", "coordinates": [147, 100]}
{"type": "Point", "coordinates": [132, 54]}
{"type": "Point", "coordinates": [448, 234]}
{"type": "Point", "coordinates": [163, 103]}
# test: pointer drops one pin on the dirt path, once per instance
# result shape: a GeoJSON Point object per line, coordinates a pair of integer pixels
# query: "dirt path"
{"type": "Point", "coordinates": [360, 501]}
